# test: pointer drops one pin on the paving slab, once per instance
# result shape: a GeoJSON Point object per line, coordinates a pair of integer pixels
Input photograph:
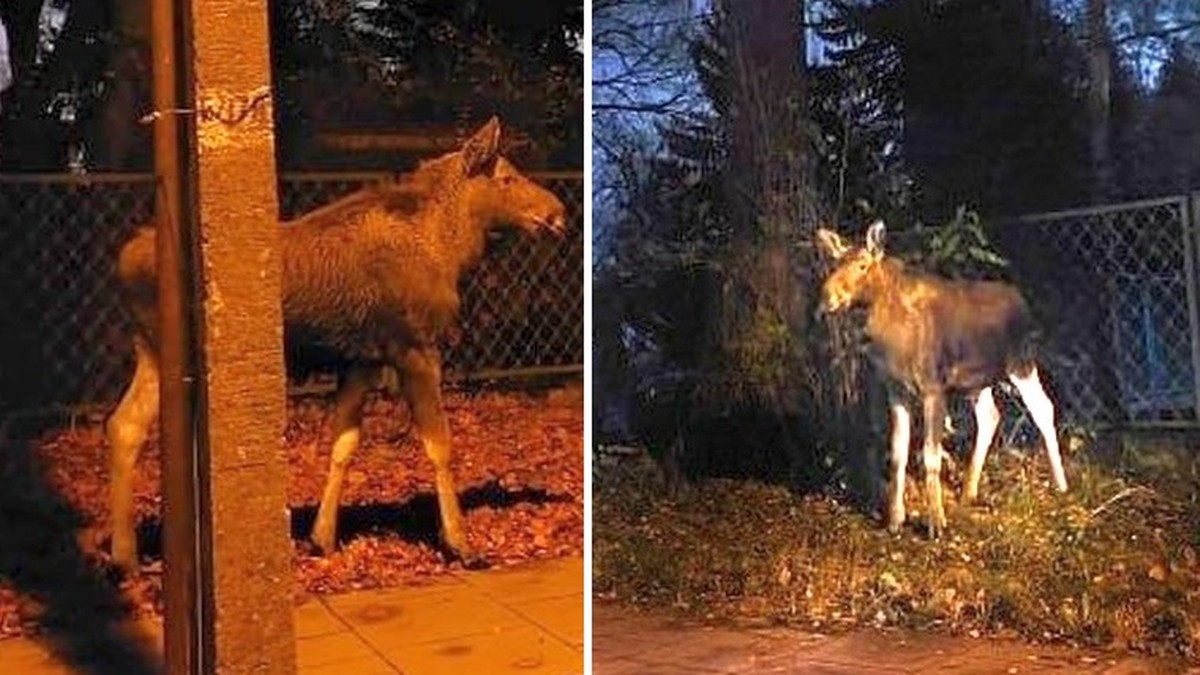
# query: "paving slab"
{"type": "Point", "coordinates": [527, 619]}
{"type": "Point", "coordinates": [627, 641]}
{"type": "Point", "coordinates": [561, 617]}
{"type": "Point", "coordinates": [523, 649]}
{"type": "Point", "coordinates": [313, 619]}
{"type": "Point", "coordinates": [552, 579]}
{"type": "Point", "coordinates": [400, 620]}
{"type": "Point", "coordinates": [330, 649]}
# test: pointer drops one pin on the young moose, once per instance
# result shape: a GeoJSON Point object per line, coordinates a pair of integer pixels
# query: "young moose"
{"type": "Point", "coordinates": [368, 281]}
{"type": "Point", "coordinates": [931, 336]}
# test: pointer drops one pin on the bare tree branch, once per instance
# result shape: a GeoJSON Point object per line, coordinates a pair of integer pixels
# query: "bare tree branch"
{"type": "Point", "coordinates": [1158, 33]}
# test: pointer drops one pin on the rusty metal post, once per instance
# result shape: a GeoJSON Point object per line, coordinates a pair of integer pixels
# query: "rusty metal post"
{"type": "Point", "coordinates": [244, 527]}
{"type": "Point", "coordinates": [175, 298]}
{"type": "Point", "coordinates": [1191, 240]}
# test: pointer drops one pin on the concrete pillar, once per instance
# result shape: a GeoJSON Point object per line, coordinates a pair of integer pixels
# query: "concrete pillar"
{"type": "Point", "coordinates": [246, 577]}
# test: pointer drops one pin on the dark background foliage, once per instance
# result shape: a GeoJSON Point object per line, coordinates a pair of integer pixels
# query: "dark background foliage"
{"type": "Point", "coordinates": [724, 137]}
{"type": "Point", "coordinates": [412, 67]}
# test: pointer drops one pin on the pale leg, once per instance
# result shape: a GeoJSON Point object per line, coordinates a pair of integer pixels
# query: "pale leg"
{"type": "Point", "coordinates": [127, 429]}
{"type": "Point", "coordinates": [901, 433]}
{"type": "Point", "coordinates": [347, 419]}
{"type": "Point", "coordinates": [422, 380]}
{"type": "Point", "coordinates": [987, 419]}
{"type": "Point", "coordinates": [935, 413]}
{"type": "Point", "coordinates": [1042, 409]}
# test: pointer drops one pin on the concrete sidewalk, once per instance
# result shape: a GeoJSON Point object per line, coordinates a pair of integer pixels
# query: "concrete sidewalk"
{"type": "Point", "coordinates": [526, 619]}
{"type": "Point", "coordinates": [625, 643]}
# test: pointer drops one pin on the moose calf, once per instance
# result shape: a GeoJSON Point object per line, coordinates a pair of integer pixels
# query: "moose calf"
{"type": "Point", "coordinates": [932, 336]}
{"type": "Point", "coordinates": [370, 281]}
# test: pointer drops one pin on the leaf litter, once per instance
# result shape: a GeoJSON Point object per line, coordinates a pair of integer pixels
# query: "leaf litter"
{"type": "Point", "coordinates": [1112, 563]}
{"type": "Point", "coordinates": [518, 464]}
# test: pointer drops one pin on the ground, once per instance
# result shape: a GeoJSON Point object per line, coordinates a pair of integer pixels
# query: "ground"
{"type": "Point", "coordinates": [1111, 564]}
{"type": "Point", "coordinates": [522, 619]}
{"type": "Point", "coordinates": [519, 465]}
{"type": "Point", "coordinates": [631, 642]}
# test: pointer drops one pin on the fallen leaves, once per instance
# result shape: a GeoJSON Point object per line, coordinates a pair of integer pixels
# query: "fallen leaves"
{"type": "Point", "coordinates": [1108, 563]}
{"type": "Point", "coordinates": [518, 465]}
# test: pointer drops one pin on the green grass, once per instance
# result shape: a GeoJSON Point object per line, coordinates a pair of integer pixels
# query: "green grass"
{"type": "Point", "coordinates": [1113, 562]}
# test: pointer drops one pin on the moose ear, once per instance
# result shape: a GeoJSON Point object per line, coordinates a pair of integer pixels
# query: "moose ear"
{"type": "Point", "coordinates": [831, 243]}
{"type": "Point", "coordinates": [876, 236]}
{"type": "Point", "coordinates": [480, 152]}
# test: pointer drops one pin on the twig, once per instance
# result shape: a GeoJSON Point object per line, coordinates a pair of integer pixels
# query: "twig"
{"type": "Point", "coordinates": [1118, 497]}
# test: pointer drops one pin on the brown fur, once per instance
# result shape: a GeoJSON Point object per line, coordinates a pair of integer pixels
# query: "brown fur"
{"type": "Point", "coordinates": [933, 332]}
{"type": "Point", "coordinates": [368, 281]}
{"type": "Point", "coordinates": [932, 336]}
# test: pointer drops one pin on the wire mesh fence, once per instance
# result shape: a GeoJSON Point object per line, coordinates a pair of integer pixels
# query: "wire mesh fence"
{"type": "Point", "coordinates": [1114, 290]}
{"type": "Point", "coordinates": [65, 337]}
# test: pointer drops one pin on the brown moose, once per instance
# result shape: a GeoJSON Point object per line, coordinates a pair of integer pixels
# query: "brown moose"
{"type": "Point", "coordinates": [932, 336]}
{"type": "Point", "coordinates": [370, 281]}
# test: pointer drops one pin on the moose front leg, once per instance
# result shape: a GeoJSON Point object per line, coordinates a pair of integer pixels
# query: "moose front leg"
{"type": "Point", "coordinates": [935, 414]}
{"type": "Point", "coordinates": [127, 429]}
{"type": "Point", "coordinates": [347, 420]}
{"type": "Point", "coordinates": [901, 433]}
{"type": "Point", "coordinates": [421, 371]}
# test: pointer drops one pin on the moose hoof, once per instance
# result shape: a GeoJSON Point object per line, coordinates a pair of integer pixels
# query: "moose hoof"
{"type": "Point", "coordinates": [469, 557]}
{"type": "Point", "coordinates": [325, 541]}
{"type": "Point", "coordinates": [126, 564]}
{"type": "Point", "coordinates": [461, 551]}
{"type": "Point", "coordinates": [124, 557]}
{"type": "Point", "coordinates": [472, 560]}
{"type": "Point", "coordinates": [936, 527]}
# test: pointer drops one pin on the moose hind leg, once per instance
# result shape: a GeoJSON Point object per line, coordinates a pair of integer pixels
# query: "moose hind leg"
{"type": "Point", "coordinates": [347, 420]}
{"type": "Point", "coordinates": [987, 419]}
{"type": "Point", "coordinates": [935, 413]}
{"type": "Point", "coordinates": [126, 430]}
{"type": "Point", "coordinates": [901, 433]}
{"type": "Point", "coordinates": [422, 378]}
{"type": "Point", "coordinates": [1041, 408]}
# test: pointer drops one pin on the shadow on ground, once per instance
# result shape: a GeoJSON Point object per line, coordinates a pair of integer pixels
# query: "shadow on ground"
{"type": "Point", "coordinates": [82, 610]}
{"type": "Point", "coordinates": [415, 520]}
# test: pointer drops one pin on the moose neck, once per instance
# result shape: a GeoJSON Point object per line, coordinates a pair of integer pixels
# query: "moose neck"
{"type": "Point", "coordinates": [887, 278]}
{"type": "Point", "coordinates": [449, 216]}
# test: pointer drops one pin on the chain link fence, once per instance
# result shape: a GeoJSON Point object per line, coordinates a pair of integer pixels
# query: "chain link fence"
{"type": "Point", "coordinates": [65, 338]}
{"type": "Point", "coordinates": [1114, 291]}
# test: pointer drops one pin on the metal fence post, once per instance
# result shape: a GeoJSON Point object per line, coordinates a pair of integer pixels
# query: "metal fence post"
{"type": "Point", "coordinates": [1191, 237]}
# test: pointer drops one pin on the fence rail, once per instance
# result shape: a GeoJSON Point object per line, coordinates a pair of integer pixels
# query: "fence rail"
{"type": "Point", "coordinates": [64, 336]}
{"type": "Point", "coordinates": [1115, 291]}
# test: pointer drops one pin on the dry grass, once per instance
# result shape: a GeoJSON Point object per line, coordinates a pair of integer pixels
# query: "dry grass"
{"type": "Point", "coordinates": [1113, 562]}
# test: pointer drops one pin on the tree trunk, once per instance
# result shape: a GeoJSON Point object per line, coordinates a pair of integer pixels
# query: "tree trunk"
{"type": "Point", "coordinates": [767, 56]}
{"type": "Point", "coordinates": [1099, 100]}
{"type": "Point", "coordinates": [764, 334]}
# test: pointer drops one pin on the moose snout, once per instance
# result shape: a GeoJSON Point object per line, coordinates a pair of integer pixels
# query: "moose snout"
{"type": "Point", "coordinates": [831, 301]}
{"type": "Point", "coordinates": [557, 222]}
{"type": "Point", "coordinates": [554, 219]}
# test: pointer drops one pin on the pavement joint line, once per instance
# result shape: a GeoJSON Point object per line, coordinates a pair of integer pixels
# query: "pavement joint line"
{"type": "Point", "coordinates": [513, 621]}
{"type": "Point", "coordinates": [358, 636]}
{"type": "Point", "coordinates": [539, 625]}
